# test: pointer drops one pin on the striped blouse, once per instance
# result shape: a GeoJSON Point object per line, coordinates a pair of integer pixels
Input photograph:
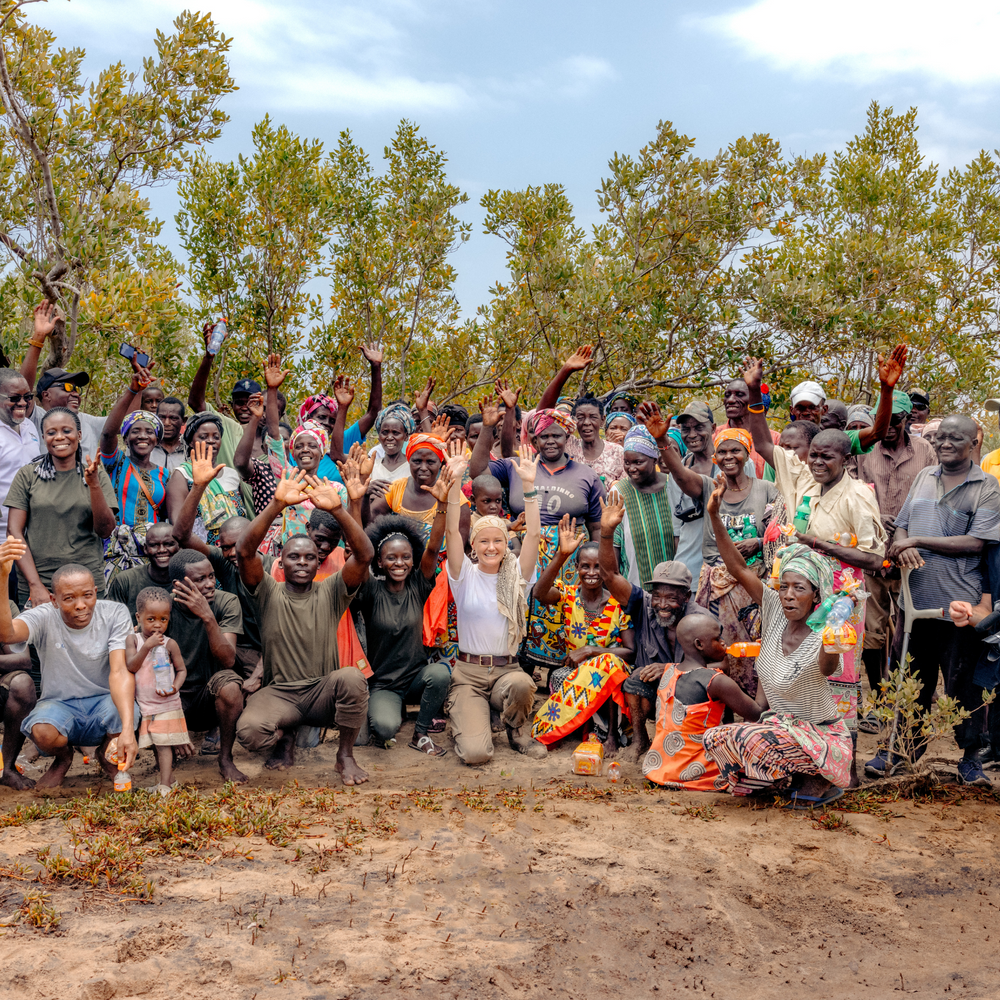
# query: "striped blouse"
{"type": "Point", "coordinates": [135, 489]}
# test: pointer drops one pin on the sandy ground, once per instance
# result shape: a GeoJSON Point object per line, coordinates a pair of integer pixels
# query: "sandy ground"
{"type": "Point", "coordinates": [520, 880]}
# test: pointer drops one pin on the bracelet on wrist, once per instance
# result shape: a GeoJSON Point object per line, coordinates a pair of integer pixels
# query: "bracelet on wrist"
{"type": "Point", "coordinates": [34, 343]}
{"type": "Point", "coordinates": [530, 494]}
{"type": "Point", "coordinates": [756, 408]}
{"type": "Point", "coordinates": [610, 538]}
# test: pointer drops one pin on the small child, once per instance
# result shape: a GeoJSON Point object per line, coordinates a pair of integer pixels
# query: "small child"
{"type": "Point", "coordinates": [487, 499]}
{"type": "Point", "coordinates": [691, 699]}
{"type": "Point", "coordinates": [163, 724]}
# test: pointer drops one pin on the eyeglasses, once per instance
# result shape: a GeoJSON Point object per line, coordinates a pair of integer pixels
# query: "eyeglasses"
{"type": "Point", "coordinates": [67, 386]}
{"type": "Point", "coordinates": [19, 397]}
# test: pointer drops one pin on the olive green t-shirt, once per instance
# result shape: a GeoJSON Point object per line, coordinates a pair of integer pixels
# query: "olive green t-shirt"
{"type": "Point", "coordinates": [60, 527]}
{"type": "Point", "coordinates": [299, 631]}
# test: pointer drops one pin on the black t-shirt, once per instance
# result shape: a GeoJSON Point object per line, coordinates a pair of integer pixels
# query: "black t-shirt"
{"type": "Point", "coordinates": [394, 625]}
{"type": "Point", "coordinates": [227, 577]}
{"type": "Point", "coordinates": [190, 634]}
{"type": "Point", "coordinates": [124, 587]}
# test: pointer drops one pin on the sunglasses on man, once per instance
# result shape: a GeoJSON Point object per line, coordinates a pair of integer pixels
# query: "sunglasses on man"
{"type": "Point", "coordinates": [19, 397]}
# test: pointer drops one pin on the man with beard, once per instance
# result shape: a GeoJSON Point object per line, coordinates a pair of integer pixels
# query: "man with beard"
{"type": "Point", "coordinates": [654, 617]}
{"type": "Point", "coordinates": [18, 437]}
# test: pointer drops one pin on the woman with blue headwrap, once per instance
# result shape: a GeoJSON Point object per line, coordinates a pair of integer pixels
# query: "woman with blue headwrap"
{"type": "Point", "coordinates": [393, 425]}
{"type": "Point", "coordinates": [141, 486]}
{"type": "Point", "coordinates": [800, 747]}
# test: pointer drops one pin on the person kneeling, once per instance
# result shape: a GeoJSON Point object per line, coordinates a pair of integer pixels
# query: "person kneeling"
{"type": "Point", "coordinates": [303, 682]}
{"type": "Point", "coordinates": [88, 695]}
{"type": "Point", "coordinates": [802, 744]}
{"type": "Point", "coordinates": [691, 699]}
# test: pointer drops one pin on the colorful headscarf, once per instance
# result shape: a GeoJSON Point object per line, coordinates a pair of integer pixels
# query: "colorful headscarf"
{"type": "Point", "coordinates": [313, 428]}
{"type": "Point", "coordinates": [150, 418]}
{"type": "Point", "coordinates": [396, 411]}
{"type": "Point", "coordinates": [428, 441]}
{"type": "Point", "coordinates": [620, 415]}
{"type": "Point", "coordinates": [641, 442]}
{"type": "Point", "coordinates": [814, 566]}
{"type": "Point", "coordinates": [489, 521]}
{"type": "Point", "coordinates": [313, 403]}
{"type": "Point", "coordinates": [901, 403]}
{"type": "Point", "coordinates": [734, 434]}
{"type": "Point", "coordinates": [537, 421]}
{"type": "Point", "coordinates": [632, 401]}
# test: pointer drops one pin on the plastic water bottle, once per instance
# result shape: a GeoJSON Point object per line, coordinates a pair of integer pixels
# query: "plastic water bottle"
{"type": "Point", "coordinates": [163, 670]}
{"type": "Point", "coordinates": [614, 772]}
{"type": "Point", "coordinates": [219, 333]}
{"type": "Point", "coordinates": [123, 780]}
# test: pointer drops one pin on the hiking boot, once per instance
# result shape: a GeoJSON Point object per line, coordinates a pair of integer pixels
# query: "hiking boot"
{"type": "Point", "coordinates": [521, 741]}
{"type": "Point", "coordinates": [970, 772]}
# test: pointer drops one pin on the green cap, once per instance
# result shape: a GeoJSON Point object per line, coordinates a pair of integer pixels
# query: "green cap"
{"type": "Point", "coordinates": [901, 403]}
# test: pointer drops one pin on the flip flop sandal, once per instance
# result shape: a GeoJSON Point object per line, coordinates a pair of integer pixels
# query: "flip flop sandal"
{"type": "Point", "coordinates": [426, 745]}
{"type": "Point", "coordinates": [869, 724]}
{"type": "Point", "coordinates": [797, 801]}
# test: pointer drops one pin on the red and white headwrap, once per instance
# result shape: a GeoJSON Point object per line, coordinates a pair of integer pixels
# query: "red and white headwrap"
{"type": "Point", "coordinates": [313, 403]}
{"type": "Point", "coordinates": [538, 420]}
{"type": "Point", "coordinates": [313, 428]}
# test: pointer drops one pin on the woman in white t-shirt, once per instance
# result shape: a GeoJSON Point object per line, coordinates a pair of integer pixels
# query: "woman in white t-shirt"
{"type": "Point", "coordinates": [491, 602]}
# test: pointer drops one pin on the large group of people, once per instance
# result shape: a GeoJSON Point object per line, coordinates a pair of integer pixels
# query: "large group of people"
{"type": "Point", "coordinates": [592, 567]}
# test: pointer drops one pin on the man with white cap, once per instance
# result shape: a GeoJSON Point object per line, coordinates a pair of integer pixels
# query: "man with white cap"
{"type": "Point", "coordinates": [808, 402]}
{"type": "Point", "coordinates": [655, 616]}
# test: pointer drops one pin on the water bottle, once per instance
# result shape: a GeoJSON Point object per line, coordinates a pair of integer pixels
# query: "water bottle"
{"type": "Point", "coordinates": [614, 772]}
{"type": "Point", "coordinates": [219, 333]}
{"type": "Point", "coordinates": [123, 780]}
{"type": "Point", "coordinates": [163, 670]}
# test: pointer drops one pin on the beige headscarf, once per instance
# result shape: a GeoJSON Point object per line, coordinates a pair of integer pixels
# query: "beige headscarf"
{"type": "Point", "coordinates": [511, 602]}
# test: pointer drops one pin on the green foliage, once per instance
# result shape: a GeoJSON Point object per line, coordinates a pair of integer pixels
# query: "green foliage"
{"type": "Point", "coordinates": [255, 231]}
{"type": "Point", "coordinates": [74, 158]}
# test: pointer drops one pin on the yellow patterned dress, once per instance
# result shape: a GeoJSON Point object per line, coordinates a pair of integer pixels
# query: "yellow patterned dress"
{"type": "Point", "coordinates": [580, 690]}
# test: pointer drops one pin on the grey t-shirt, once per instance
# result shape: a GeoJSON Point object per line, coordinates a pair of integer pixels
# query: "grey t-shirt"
{"type": "Point", "coordinates": [90, 430]}
{"type": "Point", "coordinates": [752, 510]}
{"type": "Point", "coordinates": [76, 662]}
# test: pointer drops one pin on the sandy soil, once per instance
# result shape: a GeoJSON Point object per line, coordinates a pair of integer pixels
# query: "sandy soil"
{"type": "Point", "coordinates": [570, 888]}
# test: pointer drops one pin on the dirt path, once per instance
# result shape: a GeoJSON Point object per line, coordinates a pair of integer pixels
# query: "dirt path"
{"type": "Point", "coordinates": [528, 884]}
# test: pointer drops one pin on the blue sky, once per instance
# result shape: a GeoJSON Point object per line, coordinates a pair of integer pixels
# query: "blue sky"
{"type": "Point", "coordinates": [528, 93]}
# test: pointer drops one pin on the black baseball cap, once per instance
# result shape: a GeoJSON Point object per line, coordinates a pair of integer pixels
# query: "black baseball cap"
{"type": "Point", "coordinates": [247, 385]}
{"type": "Point", "coordinates": [53, 375]}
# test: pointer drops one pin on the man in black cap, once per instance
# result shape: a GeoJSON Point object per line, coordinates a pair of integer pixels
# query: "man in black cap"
{"type": "Point", "coordinates": [654, 617]}
{"type": "Point", "coordinates": [921, 411]}
{"type": "Point", "coordinates": [57, 387]}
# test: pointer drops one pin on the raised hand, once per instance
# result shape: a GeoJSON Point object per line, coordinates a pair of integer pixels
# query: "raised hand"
{"type": "Point", "coordinates": [715, 500]}
{"type": "Point", "coordinates": [324, 494]}
{"type": "Point", "coordinates": [518, 524]}
{"type": "Point", "coordinates": [91, 468]}
{"type": "Point", "coordinates": [441, 427]}
{"type": "Point", "coordinates": [362, 459]}
{"type": "Point", "coordinates": [256, 405]}
{"type": "Point", "coordinates": [569, 540]}
{"type": "Point", "coordinates": [343, 390]}
{"type": "Point", "coordinates": [202, 469]}
{"type": "Point", "coordinates": [526, 469]}
{"type": "Point", "coordinates": [490, 410]}
{"type": "Point", "coordinates": [506, 393]}
{"type": "Point", "coordinates": [890, 369]}
{"type": "Point", "coordinates": [46, 317]}
{"type": "Point", "coordinates": [424, 397]}
{"type": "Point", "coordinates": [612, 512]}
{"type": "Point", "coordinates": [753, 374]}
{"type": "Point", "coordinates": [291, 488]}
{"type": "Point", "coordinates": [456, 461]}
{"type": "Point", "coordinates": [648, 413]}
{"type": "Point", "coordinates": [274, 374]}
{"type": "Point", "coordinates": [442, 486]}
{"type": "Point", "coordinates": [580, 358]}
{"type": "Point", "coordinates": [10, 551]}
{"type": "Point", "coordinates": [373, 353]}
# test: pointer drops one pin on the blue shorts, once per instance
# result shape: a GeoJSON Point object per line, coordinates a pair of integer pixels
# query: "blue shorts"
{"type": "Point", "coordinates": [83, 721]}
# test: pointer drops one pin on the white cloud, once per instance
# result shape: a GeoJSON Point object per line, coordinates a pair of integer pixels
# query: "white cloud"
{"type": "Point", "coordinates": [867, 40]}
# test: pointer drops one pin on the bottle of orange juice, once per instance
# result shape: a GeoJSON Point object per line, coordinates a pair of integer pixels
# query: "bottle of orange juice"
{"type": "Point", "coordinates": [123, 780]}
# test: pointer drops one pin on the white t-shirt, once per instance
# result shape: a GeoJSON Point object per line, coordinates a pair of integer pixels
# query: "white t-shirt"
{"type": "Point", "coordinates": [482, 630]}
{"type": "Point", "coordinates": [18, 446]}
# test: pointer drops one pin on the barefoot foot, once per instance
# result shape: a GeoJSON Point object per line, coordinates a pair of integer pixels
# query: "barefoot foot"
{"type": "Point", "coordinates": [283, 754]}
{"type": "Point", "coordinates": [231, 772]}
{"type": "Point", "coordinates": [350, 772]}
{"type": "Point", "coordinates": [53, 777]}
{"type": "Point", "coordinates": [13, 779]}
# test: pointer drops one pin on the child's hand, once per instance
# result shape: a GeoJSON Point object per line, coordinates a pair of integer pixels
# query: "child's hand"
{"type": "Point", "coordinates": [155, 639]}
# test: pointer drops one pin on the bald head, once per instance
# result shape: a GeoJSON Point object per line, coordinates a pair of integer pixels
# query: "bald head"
{"type": "Point", "coordinates": [696, 632]}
